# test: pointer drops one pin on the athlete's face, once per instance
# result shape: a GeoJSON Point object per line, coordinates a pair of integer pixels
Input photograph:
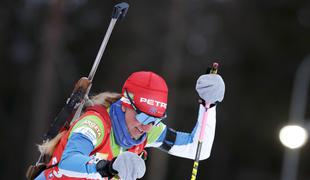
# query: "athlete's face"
{"type": "Point", "coordinates": [135, 128]}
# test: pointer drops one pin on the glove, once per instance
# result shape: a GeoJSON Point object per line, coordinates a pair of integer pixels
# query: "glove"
{"type": "Point", "coordinates": [104, 168]}
{"type": "Point", "coordinates": [128, 166]}
{"type": "Point", "coordinates": [210, 88]}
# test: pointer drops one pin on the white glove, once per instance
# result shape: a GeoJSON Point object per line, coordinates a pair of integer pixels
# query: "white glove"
{"type": "Point", "coordinates": [211, 88]}
{"type": "Point", "coordinates": [129, 166]}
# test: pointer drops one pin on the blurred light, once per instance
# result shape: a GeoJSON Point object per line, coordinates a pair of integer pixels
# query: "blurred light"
{"type": "Point", "coordinates": [293, 136]}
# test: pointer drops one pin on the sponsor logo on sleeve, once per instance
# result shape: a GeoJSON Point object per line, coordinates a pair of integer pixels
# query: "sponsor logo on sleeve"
{"type": "Point", "coordinates": [88, 132]}
{"type": "Point", "coordinates": [94, 126]}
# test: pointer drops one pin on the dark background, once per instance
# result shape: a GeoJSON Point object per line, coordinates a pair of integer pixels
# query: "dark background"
{"type": "Point", "coordinates": [46, 46]}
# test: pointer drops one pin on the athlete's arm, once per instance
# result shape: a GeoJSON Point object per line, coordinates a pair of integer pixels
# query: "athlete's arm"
{"type": "Point", "coordinates": [184, 144]}
{"type": "Point", "coordinates": [85, 136]}
{"type": "Point", "coordinates": [76, 154]}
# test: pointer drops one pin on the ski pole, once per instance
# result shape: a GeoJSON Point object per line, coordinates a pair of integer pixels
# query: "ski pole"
{"type": "Point", "coordinates": [119, 12]}
{"type": "Point", "coordinates": [202, 131]}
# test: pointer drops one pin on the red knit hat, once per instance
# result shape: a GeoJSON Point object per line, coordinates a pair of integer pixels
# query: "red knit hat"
{"type": "Point", "coordinates": [148, 91]}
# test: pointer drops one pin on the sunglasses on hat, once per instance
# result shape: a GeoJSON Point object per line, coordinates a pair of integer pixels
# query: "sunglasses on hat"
{"type": "Point", "coordinates": [142, 117]}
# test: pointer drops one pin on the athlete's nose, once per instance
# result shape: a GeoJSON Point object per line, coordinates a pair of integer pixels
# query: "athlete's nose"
{"type": "Point", "coordinates": [146, 128]}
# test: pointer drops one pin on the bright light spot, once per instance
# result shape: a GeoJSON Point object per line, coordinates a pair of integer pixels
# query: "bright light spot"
{"type": "Point", "coordinates": [293, 136]}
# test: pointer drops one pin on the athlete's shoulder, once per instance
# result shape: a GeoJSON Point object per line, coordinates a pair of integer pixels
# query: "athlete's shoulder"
{"type": "Point", "coordinates": [92, 127]}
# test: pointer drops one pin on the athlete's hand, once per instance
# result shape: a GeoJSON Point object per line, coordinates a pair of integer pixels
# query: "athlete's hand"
{"type": "Point", "coordinates": [211, 88]}
{"type": "Point", "coordinates": [129, 166]}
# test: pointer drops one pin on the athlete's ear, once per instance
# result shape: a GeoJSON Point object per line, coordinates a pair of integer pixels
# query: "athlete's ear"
{"type": "Point", "coordinates": [123, 108]}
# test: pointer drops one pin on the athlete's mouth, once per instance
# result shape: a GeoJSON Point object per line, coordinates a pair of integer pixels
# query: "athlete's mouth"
{"type": "Point", "coordinates": [140, 130]}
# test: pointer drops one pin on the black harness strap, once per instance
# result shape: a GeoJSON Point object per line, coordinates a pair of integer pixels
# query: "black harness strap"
{"type": "Point", "coordinates": [168, 140]}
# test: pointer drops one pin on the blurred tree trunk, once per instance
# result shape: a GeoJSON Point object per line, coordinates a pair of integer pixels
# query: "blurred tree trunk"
{"type": "Point", "coordinates": [45, 86]}
{"type": "Point", "coordinates": [171, 68]}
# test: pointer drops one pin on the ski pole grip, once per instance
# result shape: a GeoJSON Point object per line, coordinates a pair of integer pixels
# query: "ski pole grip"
{"type": "Point", "coordinates": [120, 10]}
{"type": "Point", "coordinates": [213, 69]}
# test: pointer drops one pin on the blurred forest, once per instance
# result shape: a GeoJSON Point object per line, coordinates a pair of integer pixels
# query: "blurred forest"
{"type": "Point", "coordinates": [46, 46]}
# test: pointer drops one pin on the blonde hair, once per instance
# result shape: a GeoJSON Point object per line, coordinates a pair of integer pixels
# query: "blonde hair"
{"type": "Point", "coordinates": [104, 98]}
{"type": "Point", "coordinates": [48, 147]}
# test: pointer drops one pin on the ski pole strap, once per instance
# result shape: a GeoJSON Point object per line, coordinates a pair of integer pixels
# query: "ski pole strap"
{"type": "Point", "coordinates": [169, 140]}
